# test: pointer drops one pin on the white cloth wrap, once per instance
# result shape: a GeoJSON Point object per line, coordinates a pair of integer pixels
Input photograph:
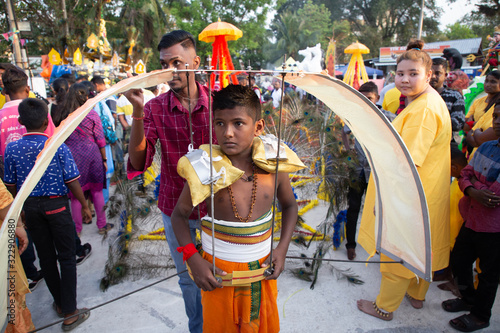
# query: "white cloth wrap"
{"type": "Point", "coordinates": [236, 252]}
{"type": "Point", "coordinates": [270, 142]}
{"type": "Point", "coordinates": [200, 161]}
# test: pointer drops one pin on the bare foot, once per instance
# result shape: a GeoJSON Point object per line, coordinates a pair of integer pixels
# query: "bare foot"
{"type": "Point", "coordinates": [371, 308]}
{"type": "Point", "coordinates": [416, 303]}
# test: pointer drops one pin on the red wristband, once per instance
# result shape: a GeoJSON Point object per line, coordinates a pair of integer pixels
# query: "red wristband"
{"type": "Point", "coordinates": [138, 118]}
{"type": "Point", "coordinates": [187, 251]}
{"type": "Point", "coordinates": [470, 123]}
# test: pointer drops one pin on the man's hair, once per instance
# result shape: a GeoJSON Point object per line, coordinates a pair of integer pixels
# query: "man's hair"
{"type": "Point", "coordinates": [369, 87]}
{"type": "Point", "coordinates": [97, 80]}
{"type": "Point", "coordinates": [175, 37]}
{"type": "Point", "coordinates": [457, 156]}
{"type": "Point", "coordinates": [32, 113]}
{"type": "Point", "coordinates": [237, 95]}
{"type": "Point", "coordinates": [440, 62]}
{"type": "Point", "coordinates": [14, 80]}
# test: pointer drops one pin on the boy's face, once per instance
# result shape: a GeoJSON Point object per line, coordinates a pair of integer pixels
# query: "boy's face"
{"type": "Point", "coordinates": [371, 96]}
{"type": "Point", "coordinates": [235, 130]}
{"type": "Point", "coordinates": [456, 168]}
{"type": "Point", "coordinates": [496, 120]}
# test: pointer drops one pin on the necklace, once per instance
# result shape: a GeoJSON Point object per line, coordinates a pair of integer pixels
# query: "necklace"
{"type": "Point", "coordinates": [254, 197]}
{"type": "Point", "coordinates": [249, 178]}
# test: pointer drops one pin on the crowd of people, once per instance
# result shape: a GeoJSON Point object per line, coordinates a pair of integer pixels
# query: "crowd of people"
{"type": "Point", "coordinates": [428, 115]}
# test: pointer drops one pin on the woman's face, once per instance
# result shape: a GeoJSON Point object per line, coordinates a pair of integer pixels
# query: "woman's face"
{"type": "Point", "coordinates": [412, 78]}
{"type": "Point", "coordinates": [491, 85]}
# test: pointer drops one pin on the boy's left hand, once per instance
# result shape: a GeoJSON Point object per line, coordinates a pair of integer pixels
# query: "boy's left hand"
{"type": "Point", "coordinates": [278, 263]}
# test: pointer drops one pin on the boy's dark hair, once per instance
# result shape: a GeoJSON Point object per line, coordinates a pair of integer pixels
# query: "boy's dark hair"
{"type": "Point", "coordinates": [97, 80]}
{"type": "Point", "coordinates": [6, 65]}
{"type": "Point", "coordinates": [32, 113]}
{"type": "Point", "coordinates": [440, 62]}
{"type": "Point", "coordinates": [175, 37]}
{"type": "Point", "coordinates": [457, 156]}
{"type": "Point", "coordinates": [369, 87]}
{"type": "Point", "coordinates": [91, 88]}
{"type": "Point", "coordinates": [237, 95]}
{"type": "Point", "coordinates": [14, 80]}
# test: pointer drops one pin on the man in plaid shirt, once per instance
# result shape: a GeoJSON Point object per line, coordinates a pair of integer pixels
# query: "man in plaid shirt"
{"type": "Point", "coordinates": [167, 118]}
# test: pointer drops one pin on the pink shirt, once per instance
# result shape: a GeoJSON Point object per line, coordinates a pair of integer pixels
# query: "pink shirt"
{"type": "Point", "coordinates": [165, 119]}
{"type": "Point", "coordinates": [10, 128]}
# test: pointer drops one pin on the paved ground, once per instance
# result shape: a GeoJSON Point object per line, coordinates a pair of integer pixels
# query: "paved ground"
{"type": "Point", "coordinates": [331, 306]}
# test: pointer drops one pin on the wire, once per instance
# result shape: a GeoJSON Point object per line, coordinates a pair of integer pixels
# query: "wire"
{"type": "Point", "coordinates": [350, 261]}
{"type": "Point", "coordinates": [107, 302]}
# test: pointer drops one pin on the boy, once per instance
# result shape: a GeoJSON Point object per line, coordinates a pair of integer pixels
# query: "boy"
{"type": "Point", "coordinates": [244, 205]}
{"type": "Point", "coordinates": [479, 236]}
{"type": "Point", "coordinates": [47, 210]}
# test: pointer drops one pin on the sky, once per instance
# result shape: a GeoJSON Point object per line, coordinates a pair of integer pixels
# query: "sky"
{"type": "Point", "coordinates": [454, 12]}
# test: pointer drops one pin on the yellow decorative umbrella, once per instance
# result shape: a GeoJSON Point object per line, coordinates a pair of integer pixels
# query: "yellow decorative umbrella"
{"type": "Point", "coordinates": [356, 68]}
{"type": "Point", "coordinates": [218, 33]}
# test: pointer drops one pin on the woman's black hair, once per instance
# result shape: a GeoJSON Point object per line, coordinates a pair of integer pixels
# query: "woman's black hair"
{"type": "Point", "coordinates": [77, 95]}
{"type": "Point", "coordinates": [60, 87]}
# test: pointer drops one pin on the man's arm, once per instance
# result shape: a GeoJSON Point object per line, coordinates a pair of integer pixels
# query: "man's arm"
{"type": "Point", "coordinates": [137, 146]}
{"type": "Point", "coordinates": [121, 118]}
{"type": "Point", "coordinates": [200, 268]}
{"type": "Point", "coordinates": [289, 211]}
{"type": "Point", "coordinates": [76, 190]}
{"type": "Point", "coordinates": [457, 113]}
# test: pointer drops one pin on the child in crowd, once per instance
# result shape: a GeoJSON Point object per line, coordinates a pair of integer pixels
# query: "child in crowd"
{"type": "Point", "coordinates": [479, 236]}
{"type": "Point", "coordinates": [47, 210]}
{"type": "Point", "coordinates": [362, 173]}
{"type": "Point", "coordinates": [242, 216]}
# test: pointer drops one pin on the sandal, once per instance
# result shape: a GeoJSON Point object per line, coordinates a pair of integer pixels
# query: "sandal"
{"type": "Point", "coordinates": [468, 323]}
{"type": "Point", "coordinates": [106, 228]}
{"type": "Point", "coordinates": [456, 305]}
{"type": "Point", "coordinates": [416, 303]}
{"type": "Point", "coordinates": [83, 314]}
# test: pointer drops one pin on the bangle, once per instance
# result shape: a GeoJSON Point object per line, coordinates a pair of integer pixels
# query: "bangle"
{"type": "Point", "coordinates": [138, 118]}
{"type": "Point", "coordinates": [104, 159]}
{"type": "Point", "coordinates": [187, 251]}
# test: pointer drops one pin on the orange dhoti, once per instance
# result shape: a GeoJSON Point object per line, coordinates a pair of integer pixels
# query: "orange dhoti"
{"type": "Point", "coordinates": [242, 308]}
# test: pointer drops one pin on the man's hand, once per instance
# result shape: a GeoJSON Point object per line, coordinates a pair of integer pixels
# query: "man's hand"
{"type": "Point", "coordinates": [202, 273]}
{"type": "Point", "coordinates": [136, 98]}
{"type": "Point", "coordinates": [278, 263]}
{"type": "Point", "coordinates": [22, 237]}
{"type": "Point", "coordinates": [484, 197]}
{"type": "Point", "coordinates": [86, 214]}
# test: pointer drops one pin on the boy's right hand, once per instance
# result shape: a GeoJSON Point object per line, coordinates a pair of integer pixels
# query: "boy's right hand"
{"type": "Point", "coordinates": [202, 273]}
{"type": "Point", "coordinates": [86, 214]}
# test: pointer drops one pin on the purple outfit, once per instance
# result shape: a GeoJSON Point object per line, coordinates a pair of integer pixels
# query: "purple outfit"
{"type": "Point", "coordinates": [85, 143]}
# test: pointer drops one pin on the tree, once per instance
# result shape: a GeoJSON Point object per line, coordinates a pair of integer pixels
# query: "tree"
{"type": "Point", "coordinates": [247, 15]}
{"type": "Point", "coordinates": [459, 31]}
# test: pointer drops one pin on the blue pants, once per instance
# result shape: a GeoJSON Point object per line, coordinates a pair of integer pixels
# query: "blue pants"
{"type": "Point", "coordinates": [190, 292]}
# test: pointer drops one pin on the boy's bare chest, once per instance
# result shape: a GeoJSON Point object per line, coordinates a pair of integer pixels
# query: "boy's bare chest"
{"type": "Point", "coordinates": [243, 197]}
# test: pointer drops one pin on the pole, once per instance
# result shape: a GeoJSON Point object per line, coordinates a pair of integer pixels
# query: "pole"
{"type": "Point", "coordinates": [15, 37]}
{"type": "Point", "coordinates": [421, 21]}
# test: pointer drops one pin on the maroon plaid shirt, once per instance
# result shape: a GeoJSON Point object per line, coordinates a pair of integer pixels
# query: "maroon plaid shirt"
{"type": "Point", "coordinates": [165, 119]}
